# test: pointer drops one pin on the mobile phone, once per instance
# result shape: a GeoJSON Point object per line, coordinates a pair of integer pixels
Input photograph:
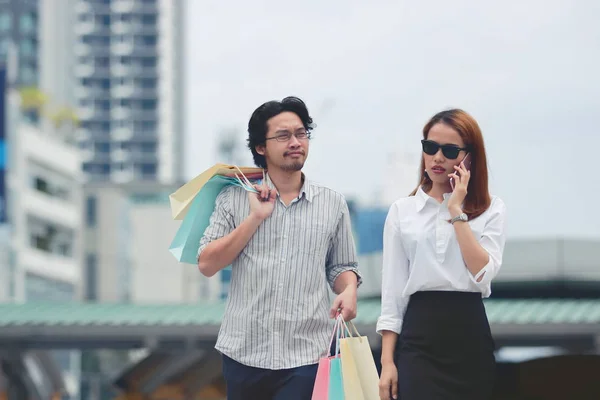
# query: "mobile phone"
{"type": "Point", "coordinates": [467, 163]}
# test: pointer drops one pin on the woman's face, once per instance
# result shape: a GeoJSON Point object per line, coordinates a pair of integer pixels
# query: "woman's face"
{"type": "Point", "coordinates": [443, 149]}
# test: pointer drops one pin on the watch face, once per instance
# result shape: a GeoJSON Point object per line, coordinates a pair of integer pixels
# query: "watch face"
{"type": "Point", "coordinates": [463, 216]}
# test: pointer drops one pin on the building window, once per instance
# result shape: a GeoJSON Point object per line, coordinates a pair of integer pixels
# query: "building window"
{"type": "Point", "coordinates": [91, 211]}
{"type": "Point", "coordinates": [91, 278]}
{"type": "Point", "coordinates": [148, 148]}
{"type": "Point", "coordinates": [149, 20]}
{"type": "Point", "coordinates": [28, 22]}
{"type": "Point", "coordinates": [102, 148]}
{"type": "Point", "coordinates": [27, 75]}
{"type": "Point", "coordinates": [28, 47]}
{"type": "Point", "coordinates": [5, 22]}
{"type": "Point", "coordinates": [148, 105]}
{"type": "Point", "coordinates": [50, 238]}
{"type": "Point", "coordinates": [148, 171]}
{"type": "Point", "coordinates": [50, 183]}
{"type": "Point", "coordinates": [38, 288]}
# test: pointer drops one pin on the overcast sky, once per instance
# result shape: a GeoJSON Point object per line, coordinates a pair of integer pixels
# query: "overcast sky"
{"type": "Point", "coordinates": [372, 73]}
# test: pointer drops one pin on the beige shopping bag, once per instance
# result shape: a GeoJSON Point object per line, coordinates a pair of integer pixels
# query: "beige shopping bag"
{"type": "Point", "coordinates": [361, 380]}
{"type": "Point", "coordinates": [182, 198]}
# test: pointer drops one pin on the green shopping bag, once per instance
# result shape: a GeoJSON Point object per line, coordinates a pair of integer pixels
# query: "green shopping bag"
{"type": "Point", "coordinates": [186, 242]}
{"type": "Point", "coordinates": [336, 384]}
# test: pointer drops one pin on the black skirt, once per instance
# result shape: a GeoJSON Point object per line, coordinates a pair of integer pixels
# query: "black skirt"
{"type": "Point", "coordinates": [445, 349]}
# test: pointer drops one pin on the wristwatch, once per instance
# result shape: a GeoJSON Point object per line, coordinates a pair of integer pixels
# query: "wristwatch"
{"type": "Point", "coordinates": [461, 217]}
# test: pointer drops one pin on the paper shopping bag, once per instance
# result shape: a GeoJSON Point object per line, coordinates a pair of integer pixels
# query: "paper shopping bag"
{"type": "Point", "coordinates": [336, 384]}
{"type": "Point", "coordinates": [360, 376]}
{"type": "Point", "coordinates": [186, 242]}
{"type": "Point", "coordinates": [182, 198]}
{"type": "Point", "coordinates": [321, 388]}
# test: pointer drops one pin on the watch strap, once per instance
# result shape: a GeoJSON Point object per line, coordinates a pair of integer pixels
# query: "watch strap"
{"type": "Point", "coordinates": [460, 217]}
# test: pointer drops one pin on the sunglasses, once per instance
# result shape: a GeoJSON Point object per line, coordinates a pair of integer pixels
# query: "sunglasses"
{"type": "Point", "coordinates": [449, 151]}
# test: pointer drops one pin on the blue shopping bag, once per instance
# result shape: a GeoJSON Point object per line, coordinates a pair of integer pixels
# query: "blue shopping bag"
{"type": "Point", "coordinates": [186, 242]}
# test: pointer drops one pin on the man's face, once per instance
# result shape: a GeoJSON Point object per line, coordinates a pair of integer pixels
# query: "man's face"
{"type": "Point", "coordinates": [286, 145]}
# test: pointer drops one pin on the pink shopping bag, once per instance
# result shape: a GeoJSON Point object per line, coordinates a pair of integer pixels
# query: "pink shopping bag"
{"type": "Point", "coordinates": [321, 389]}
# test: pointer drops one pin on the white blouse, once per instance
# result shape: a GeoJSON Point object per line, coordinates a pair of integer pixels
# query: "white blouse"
{"type": "Point", "coordinates": [420, 252]}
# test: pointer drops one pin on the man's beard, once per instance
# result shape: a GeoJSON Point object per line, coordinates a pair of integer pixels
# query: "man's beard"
{"type": "Point", "coordinates": [293, 166]}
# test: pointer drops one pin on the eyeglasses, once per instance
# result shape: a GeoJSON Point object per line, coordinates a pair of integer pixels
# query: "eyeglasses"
{"type": "Point", "coordinates": [449, 151]}
{"type": "Point", "coordinates": [284, 136]}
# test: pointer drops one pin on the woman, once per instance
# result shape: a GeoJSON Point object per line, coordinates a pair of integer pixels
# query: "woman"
{"type": "Point", "coordinates": [442, 247]}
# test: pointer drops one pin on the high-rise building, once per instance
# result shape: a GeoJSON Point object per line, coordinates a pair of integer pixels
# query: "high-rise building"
{"type": "Point", "coordinates": [39, 35]}
{"type": "Point", "coordinates": [129, 88]}
{"type": "Point", "coordinates": [19, 25]}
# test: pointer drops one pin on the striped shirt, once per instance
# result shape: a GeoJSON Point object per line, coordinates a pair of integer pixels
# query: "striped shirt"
{"type": "Point", "coordinates": [277, 313]}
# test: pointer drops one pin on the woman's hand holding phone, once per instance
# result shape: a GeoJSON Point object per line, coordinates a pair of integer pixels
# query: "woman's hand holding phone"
{"type": "Point", "coordinates": [459, 181]}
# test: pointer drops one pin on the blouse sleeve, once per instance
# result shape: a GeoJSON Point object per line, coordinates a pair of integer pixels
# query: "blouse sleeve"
{"type": "Point", "coordinates": [492, 240]}
{"type": "Point", "coordinates": [394, 275]}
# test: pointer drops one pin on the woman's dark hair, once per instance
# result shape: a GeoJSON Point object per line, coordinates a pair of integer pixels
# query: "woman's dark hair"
{"type": "Point", "coordinates": [257, 126]}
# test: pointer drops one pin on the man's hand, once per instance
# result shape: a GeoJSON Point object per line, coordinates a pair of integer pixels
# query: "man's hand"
{"type": "Point", "coordinates": [262, 203]}
{"type": "Point", "coordinates": [345, 302]}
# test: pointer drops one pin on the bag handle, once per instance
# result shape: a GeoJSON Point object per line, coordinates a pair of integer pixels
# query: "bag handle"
{"type": "Point", "coordinates": [338, 333]}
{"type": "Point", "coordinates": [348, 329]}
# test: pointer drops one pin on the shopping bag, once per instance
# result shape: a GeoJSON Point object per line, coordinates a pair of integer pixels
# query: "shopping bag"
{"type": "Point", "coordinates": [359, 373]}
{"type": "Point", "coordinates": [321, 388]}
{"type": "Point", "coordinates": [182, 198]}
{"type": "Point", "coordinates": [186, 242]}
{"type": "Point", "coordinates": [336, 385]}
{"type": "Point", "coordinates": [328, 382]}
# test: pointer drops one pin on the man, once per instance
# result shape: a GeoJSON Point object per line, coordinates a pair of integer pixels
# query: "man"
{"type": "Point", "coordinates": [287, 245]}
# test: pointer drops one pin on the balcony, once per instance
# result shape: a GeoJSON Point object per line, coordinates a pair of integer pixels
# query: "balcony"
{"type": "Point", "coordinates": [122, 49]}
{"type": "Point", "coordinates": [84, 70]}
{"type": "Point", "coordinates": [120, 70]}
{"type": "Point", "coordinates": [53, 209]}
{"type": "Point", "coordinates": [120, 155]}
{"type": "Point", "coordinates": [121, 134]}
{"type": "Point", "coordinates": [122, 6]}
{"type": "Point", "coordinates": [84, 27]}
{"type": "Point", "coordinates": [120, 113]}
{"type": "Point", "coordinates": [50, 265]}
{"type": "Point", "coordinates": [93, 113]}
{"type": "Point", "coordinates": [122, 91]}
{"type": "Point", "coordinates": [119, 28]}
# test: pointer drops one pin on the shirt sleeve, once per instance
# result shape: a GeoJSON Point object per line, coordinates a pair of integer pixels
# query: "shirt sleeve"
{"type": "Point", "coordinates": [394, 276]}
{"type": "Point", "coordinates": [493, 239]}
{"type": "Point", "coordinates": [221, 220]}
{"type": "Point", "coordinates": [341, 256]}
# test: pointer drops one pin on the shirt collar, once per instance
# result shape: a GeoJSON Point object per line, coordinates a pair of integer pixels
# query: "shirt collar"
{"type": "Point", "coordinates": [305, 190]}
{"type": "Point", "coordinates": [422, 198]}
